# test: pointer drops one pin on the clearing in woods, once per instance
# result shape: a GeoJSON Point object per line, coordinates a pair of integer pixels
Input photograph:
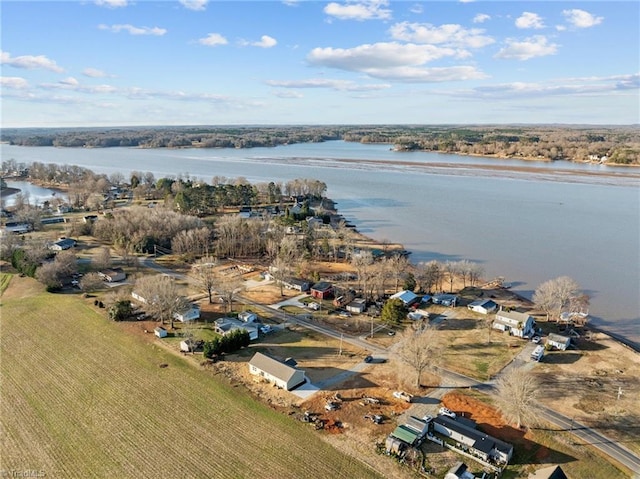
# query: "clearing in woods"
{"type": "Point", "coordinates": [82, 398]}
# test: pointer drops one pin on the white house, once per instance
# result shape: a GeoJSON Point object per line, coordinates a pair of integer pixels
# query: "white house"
{"type": "Point", "coordinates": [483, 306]}
{"type": "Point", "coordinates": [277, 372]}
{"type": "Point", "coordinates": [191, 313]}
{"type": "Point", "coordinates": [517, 324]}
{"type": "Point", "coordinates": [138, 297]}
{"type": "Point", "coordinates": [558, 341]}
{"type": "Point", "coordinates": [357, 306]}
{"type": "Point", "coordinates": [62, 244]}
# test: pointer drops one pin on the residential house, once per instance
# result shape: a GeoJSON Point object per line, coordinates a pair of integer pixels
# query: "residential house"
{"type": "Point", "coordinates": [322, 290]}
{"type": "Point", "coordinates": [138, 297]}
{"type": "Point", "coordinates": [226, 325]}
{"type": "Point", "coordinates": [277, 372]}
{"type": "Point", "coordinates": [558, 341]}
{"type": "Point", "coordinates": [445, 299]}
{"type": "Point", "coordinates": [476, 442]}
{"type": "Point", "coordinates": [357, 306]}
{"type": "Point", "coordinates": [407, 297]}
{"type": "Point", "coordinates": [62, 244]}
{"type": "Point", "coordinates": [459, 471]}
{"type": "Point", "coordinates": [160, 332]}
{"type": "Point", "coordinates": [190, 313]}
{"type": "Point", "coordinates": [483, 306]}
{"type": "Point", "coordinates": [112, 275]}
{"type": "Point", "coordinates": [517, 324]}
{"type": "Point", "coordinates": [551, 472]}
{"type": "Point", "coordinates": [18, 228]}
{"type": "Point", "coordinates": [298, 284]}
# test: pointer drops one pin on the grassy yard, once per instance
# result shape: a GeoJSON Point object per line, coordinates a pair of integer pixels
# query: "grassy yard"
{"type": "Point", "coordinates": [82, 398]}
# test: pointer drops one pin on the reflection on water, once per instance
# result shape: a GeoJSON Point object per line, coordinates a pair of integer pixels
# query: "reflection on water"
{"type": "Point", "coordinates": [32, 194]}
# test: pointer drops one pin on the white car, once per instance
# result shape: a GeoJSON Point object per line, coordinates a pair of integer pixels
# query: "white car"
{"type": "Point", "coordinates": [447, 412]}
{"type": "Point", "coordinates": [536, 339]}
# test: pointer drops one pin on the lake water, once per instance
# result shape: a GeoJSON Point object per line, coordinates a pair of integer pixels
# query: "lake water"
{"type": "Point", "coordinates": [529, 226]}
{"type": "Point", "coordinates": [33, 194]}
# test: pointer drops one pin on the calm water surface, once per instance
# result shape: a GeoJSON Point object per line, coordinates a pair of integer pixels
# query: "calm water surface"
{"type": "Point", "coordinates": [527, 226]}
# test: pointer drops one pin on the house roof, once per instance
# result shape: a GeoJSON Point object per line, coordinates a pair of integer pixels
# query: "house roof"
{"type": "Point", "coordinates": [482, 442]}
{"type": "Point", "coordinates": [513, 316]}
{"type": "Point", "coordinates": [405, 434]}
{"type": "Point", "coordinates": [416, 424]}
{"type": "Point", "coordinates": [405, 296]}
{"type": "Point", "coordinates": [272, 366]}
{"type": "Point", "coordinates": [66, 242]}
{"type": "Point", "coordinates": [551, 472]}
{"type": "Point", "coordinates": [322, 286]}
{"type": "Point", "coordinates": [484, 303]}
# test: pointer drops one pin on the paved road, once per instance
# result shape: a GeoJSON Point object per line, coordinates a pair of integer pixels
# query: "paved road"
{"type": "Point", "coordinates": [450, 380]}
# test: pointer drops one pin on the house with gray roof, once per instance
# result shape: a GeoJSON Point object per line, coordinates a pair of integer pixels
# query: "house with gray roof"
{"type": "Point", "coordinates": [477, 442]}
{"type": "Point", "coordinates": [277, 372]}
{"type": "Point", "coordinates": [558, 341]}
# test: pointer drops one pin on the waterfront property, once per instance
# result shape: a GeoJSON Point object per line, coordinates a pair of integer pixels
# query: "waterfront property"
{"type": "Point", "coordinates": [283, 375]}
{"type": "Point", "coordinates": [517, 324]}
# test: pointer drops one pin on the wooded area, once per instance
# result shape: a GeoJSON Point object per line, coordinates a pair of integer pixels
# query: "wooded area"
{"type": "Point", "coordinates": [605, 144]}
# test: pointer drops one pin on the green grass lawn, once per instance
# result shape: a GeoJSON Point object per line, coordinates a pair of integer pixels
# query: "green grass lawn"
{"type": "Point", "coordinates": [4, 281]}
{"type": "Point", "coordinates": [80, 397]}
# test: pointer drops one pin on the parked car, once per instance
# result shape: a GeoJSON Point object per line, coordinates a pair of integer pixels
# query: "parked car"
{"type": "Point", "coordinates": [403, 395]}
{"type": "Point", "coordinates": [314, 306]}
{"type": "Point", "coordinates": [265, 329]}
{"type": "Point", "coordinates": [536, 339]}
{"type": "Point", "coordinates": [344, 314]}
{"type": "Point", "coordinates": [447, 412]}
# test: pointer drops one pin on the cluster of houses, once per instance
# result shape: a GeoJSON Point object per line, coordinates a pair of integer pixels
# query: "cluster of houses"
{"type": "Point", "coordinates": [457, 433]}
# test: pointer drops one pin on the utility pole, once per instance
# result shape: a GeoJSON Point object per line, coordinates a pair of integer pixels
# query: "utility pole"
{"type": "Point", "coordinates": [619, 392]}
{"type": "Point", "coordinates": [341, 336]}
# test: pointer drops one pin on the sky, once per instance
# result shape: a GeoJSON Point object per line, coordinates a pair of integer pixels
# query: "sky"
{"type": "Point", "coordinates": [198, 62]}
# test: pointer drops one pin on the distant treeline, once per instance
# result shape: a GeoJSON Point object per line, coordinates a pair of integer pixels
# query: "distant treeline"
{"type": "Point", "coordinates": [615, 144]}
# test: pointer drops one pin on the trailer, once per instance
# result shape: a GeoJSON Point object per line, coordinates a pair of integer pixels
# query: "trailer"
{"type": "Point", "coordinates": [538, 353]}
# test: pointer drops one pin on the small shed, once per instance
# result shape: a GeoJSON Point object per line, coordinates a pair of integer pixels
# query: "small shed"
{"type": "Point", "coordinates": [322, 290]}
{"type": "Point", "coordinates": [248, 317]}
{"type": "Point", "coordinates": [160, 332]}
{"type": "Point", "coordinates": [558, 341]}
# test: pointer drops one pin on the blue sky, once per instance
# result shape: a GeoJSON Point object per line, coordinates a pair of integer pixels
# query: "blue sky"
{"type": "Point", "coordinates": [126, 62]}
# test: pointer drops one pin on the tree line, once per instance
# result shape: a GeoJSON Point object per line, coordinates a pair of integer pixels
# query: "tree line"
{"type": "Point", "coordinates": [619, 144]}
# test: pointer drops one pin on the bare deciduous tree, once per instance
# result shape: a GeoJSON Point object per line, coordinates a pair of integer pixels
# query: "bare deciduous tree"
{"type": "Point", "coordinates": [420, 347]}
{"type": "Point", "coordinates": [102, 260]}
{"type": "Point", "coordinates": [203, 271]}
{"type": "Point", "coordinates": [555, 295]}
{"type": "Point", "coordinates": [162, 297]}
{"type": "Point", "coordinates": [91, 282]}
{"type": "Point", "coordinates": [228, 285]}
{"type": "Point", "coordinates": [517, 392]}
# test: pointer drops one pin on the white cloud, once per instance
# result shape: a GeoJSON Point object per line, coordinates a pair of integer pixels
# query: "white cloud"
{"type": "Point", "coordinates": [529, 20]}
{"type": "Point", "coordinates": [291, 3]}
{"type": "Point", "coordinates": [536, 46]}
{"type": "Point", "coordinates": [265, 42]}
{"type": "Point", "coordinates": [133, 30]}
{"type": "Point", "coordinates": [416, 8]}
{"type": "Point", "coordinates": [394, 62]}
{"type": "Point", "coordinates": [112, 3]}
{"type": "Point", "coordinates": [212, 40]}
{"type": "Point", "coordinates": [288, 94]}
{"type": "Point", "coordinates": [359, 10]}
{"type": "Point", "coordinates": [581, 19]}
{"type": "Point", "coordinates": [70, 81]}
{"type": "Point", "coordinates": [338, 85]}
{"type": "Point", "coordinates": [196, 5]}
{"type": "Point", "coordinates": [30, 62]}
{"type": "Point", "coordinates": [377, 55]}
{"type": "Point", "coordinates": [94, 73]}
{"type": "Point", "coordinates": [449, 35]}
{"type": "Point", "coordinates": [481, 18]}
{"type": "Point", "coordinates": [16, 83]}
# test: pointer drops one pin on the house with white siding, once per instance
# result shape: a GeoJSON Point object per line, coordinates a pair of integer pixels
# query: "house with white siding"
{"type": "Point", "coordinates": [516, 323]}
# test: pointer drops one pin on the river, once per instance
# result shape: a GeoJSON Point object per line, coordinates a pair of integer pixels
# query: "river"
{"type": "Point", "coordinates": [530, 222]}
